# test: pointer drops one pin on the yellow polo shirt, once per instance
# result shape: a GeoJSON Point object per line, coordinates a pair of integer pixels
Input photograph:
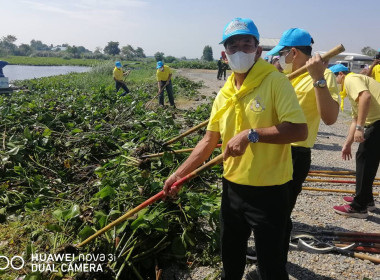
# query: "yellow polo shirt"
{"type": "Point", "coordinates": [355, 84]}
{"type": "Point", "coordinates": [271, 103]}
{"type": "Point", "coordinates": [306, 97]}
{"type": "Point", "coordinates": [163, 75]}
{"type": "Point", "coordinates": [118, 74]}
{"type": "Point", "coordinates": [376, 72]}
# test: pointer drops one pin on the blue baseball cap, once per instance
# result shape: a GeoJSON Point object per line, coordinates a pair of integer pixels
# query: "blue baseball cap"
{"type": "Point", "coordinates": [118, 64]}
{"type": "Point", "coordinates": [159, 64]}
{"type": "Point", "coordinates": [240, 26]}
{"type": "Point", "coordinates": [291, 38]}
{"type": "Point", "coordinates": [339, 68]}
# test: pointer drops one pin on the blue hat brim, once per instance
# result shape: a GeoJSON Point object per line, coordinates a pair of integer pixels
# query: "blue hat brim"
{"type": "Point", "coordinates": [275, 50]}
{"type": "Point", "coordinates": [238, 32]}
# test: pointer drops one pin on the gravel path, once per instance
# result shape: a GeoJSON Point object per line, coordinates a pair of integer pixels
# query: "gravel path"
{"type": "Point", "coordinates": [313, 211]}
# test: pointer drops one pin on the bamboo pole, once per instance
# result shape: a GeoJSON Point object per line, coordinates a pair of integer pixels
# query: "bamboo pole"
{"type": "Point", "coordinates": [332, 171]}
{"type": "Point", "coordinates": [152, 199]}
{"type": "Point", "coordinates": [191, 130]}
{"type": "Point", "coordinates": [334, 176]}
{"type": "Point", "coordinates": [337, 181]}
{"type": "Point", "coordinates": [333, 190]}
{"type": "Point", "coordinates": [172, 152]}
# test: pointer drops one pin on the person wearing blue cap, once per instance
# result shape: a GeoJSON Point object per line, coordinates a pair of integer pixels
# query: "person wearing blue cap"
{"type": "Point", "coordinates": [374, 69]}
{"type": "Point", "coordinates": [317, 94]}
{"type": "Point", "coordinates": [118, 76]}
{"type": "Point", "coordinates": [2, 65]}
{"type": "Point", "coordinates": [364, 95]}
{"type": "Point", "coordinates": [164, 81]}
{"type": "Point", "coordinates": [257, 116]}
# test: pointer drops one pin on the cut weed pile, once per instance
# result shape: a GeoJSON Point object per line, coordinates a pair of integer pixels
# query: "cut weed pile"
{"type": "Point", "coordinates": [68, 168]}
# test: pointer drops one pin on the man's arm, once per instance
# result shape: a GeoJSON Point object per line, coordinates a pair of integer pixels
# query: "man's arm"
{"type": "Point", "coordinates": [346, 150]}
{"type": "Point", "coordinates": [199, 155]}
{"type": "Point", "coordinates": [283, 133]}
{"type": "Point", "coordinates": [364, 101]}
{"type": "Point", "coordinates": [374, 63]}
{"type": "Point", "coordinates": [327, 107]}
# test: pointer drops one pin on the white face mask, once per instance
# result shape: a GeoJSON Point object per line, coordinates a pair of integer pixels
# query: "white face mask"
{"type": "Point", "coordinates": [287, 67]}
{"type": "Point", "coordinates": [241, 62]}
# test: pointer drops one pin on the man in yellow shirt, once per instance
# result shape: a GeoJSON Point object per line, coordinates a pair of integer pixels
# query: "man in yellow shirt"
{"type": "Point", "coordinates": [374, 70]}
{"type": "Point", "coordinates": [257, 116]}
{"type": "Point", "coordinates": [317, 94]}
{"type": "Point", "coordinates": [118, 76]}
{"type": "Point", "coordinates": [364, 95]}
{"type": "Point", "coordinates": [164, 81]}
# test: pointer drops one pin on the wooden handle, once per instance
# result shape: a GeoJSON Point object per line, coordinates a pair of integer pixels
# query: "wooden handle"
{"type": "Point", "coordinates": [326, 56]}
{"type": "Point", "coordinates": [191, 130]}
{"type": "Point", "coordinates": [366, 257]}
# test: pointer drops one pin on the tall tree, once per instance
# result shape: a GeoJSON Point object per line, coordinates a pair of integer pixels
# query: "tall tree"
{"type": "Point", "coordinates": [159, 56]}
{"type": "Point", "coordinates": [128, 51]}
{"type": "Point", "coordinates": [38, 45]}
{"type": "Point", "coordinates": [140, 52]}
{"type": "Point", "coordinates": [7, 45]}
{"type": "Point", "coordinates": [112, 48]}
{"type": "Point", "coordinates": [207, 53]}
{"type": "Point", "coordinates": [369, 51]}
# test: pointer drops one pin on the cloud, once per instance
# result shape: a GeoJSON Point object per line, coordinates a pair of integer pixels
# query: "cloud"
{"type": "Point", "coordinates": [86, 9]}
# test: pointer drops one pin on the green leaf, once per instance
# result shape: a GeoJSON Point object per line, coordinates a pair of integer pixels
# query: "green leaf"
{"type": "Point", "coordinates": [47, 132]}
{"type": "Point", "coordinates": [106, 192]}
{"type": "Point", "coordinates": [76, 130]}
{"type": "Point", "coordinates": [178, 248]}
{"type": "Point", "coordinates": [86, 232]}
{"type": "Point", "coordinates": [54, 227]}
{"type": "Point", "coordinates": [13, 151]}
{"type": "Point", "coordinates": [27, 133]}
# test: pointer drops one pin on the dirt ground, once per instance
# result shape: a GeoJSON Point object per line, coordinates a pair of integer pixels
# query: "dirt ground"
{"type": "Point", "coordinates": [211, 85]}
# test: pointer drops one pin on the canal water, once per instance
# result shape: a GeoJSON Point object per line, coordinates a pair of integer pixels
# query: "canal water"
{"type": "Point", "coordinates": [25, 72]}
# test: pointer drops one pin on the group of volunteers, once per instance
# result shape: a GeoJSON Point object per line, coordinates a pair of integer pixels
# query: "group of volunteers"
{"type": "Point", "coordinates": [163, 76]}
{"type": "Point", "coordinates": [268, 125]}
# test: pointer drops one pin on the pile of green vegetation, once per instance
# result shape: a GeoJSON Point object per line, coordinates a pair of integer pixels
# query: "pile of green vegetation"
{"type": "Point", "coordinates": [69, 166]}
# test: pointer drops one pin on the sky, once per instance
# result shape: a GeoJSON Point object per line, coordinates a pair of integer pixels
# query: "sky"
{"type": "Point", "coordinates": [183, 28]}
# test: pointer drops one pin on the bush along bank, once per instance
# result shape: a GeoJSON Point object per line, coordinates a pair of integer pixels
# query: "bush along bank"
{"type": "Point", "coordinates": [68, 167]}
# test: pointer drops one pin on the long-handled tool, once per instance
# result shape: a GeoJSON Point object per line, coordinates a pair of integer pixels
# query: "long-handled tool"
{"type": "Point", "coordinates": [147, 105]}
{"type": "Point", "coordinates": [182, 135]}
{"type": "Point", "coordinates": [153, 199]}
{"type": "Point", "coordinates": [332, 171]}
{"type": "Point", "coordinates": [336, 181]}
{"type": "Point", "coordinates": [333, 190]}
{"type": "Point", "coordinates": [171, 152]}
{"type": "Point", "coordinates": [334, 175]}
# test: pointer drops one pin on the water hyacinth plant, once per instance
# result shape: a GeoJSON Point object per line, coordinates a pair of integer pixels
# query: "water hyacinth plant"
{"type": "Point", "coordinates": [69, 165]}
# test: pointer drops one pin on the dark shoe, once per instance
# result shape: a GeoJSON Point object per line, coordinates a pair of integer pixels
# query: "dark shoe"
{"type": "Point", "coordinates": [251, 254]}
{"type": "Point", "coordinates": [347, 210]}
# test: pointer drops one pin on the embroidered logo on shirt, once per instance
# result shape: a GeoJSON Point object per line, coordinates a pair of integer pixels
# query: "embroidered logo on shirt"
{"type": "Point", "coordinates": [257, 105]}
{"type": "Point", "coordinates": [236, 25]}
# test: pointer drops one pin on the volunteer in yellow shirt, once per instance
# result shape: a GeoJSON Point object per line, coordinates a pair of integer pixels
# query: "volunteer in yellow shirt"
{"type": "Point", "coordinates": [364, 95]}
{"type": "Point", "coordinates": [118, 76]}
{"type": "Point", "coordinates": [317, 94]}
{"type": "Point", "coordinates": [374, 70]}
{"type": "Point", "coordinates": [164, 81]}
{"type": "Point", "coordinates": [257, 116]}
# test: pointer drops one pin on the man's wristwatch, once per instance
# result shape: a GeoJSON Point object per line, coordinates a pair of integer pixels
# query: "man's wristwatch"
{"type": "Point", "coordinates": [359, 127]}
{"type": "Point", "coordinates": [320, 83]}
{"type": "Point", "coordinates": [253, 136]}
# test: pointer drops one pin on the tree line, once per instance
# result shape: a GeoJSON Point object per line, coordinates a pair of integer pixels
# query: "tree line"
{"type": "Point", "coordinates": [39, 49]}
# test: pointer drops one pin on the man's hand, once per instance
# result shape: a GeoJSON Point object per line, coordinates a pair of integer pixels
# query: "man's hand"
{"type": "Point", "coordinates": [346, 152]}
{"type": "Point", "coordinates": [316, 67]}
{"type": "Point", "coordinates": [359, 136]}
{"type": "Point", "coordinates": [168, 189]}
{"type": "Point", "coordinates": [237, 145]}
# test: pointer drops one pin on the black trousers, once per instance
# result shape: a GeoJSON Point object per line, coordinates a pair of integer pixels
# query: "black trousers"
{"type": "Point", "coordinates": [263, 210]}
{"type": "Point", "coordinates": [119, 85]}
{"type": "Point", "coordinates": [169, 90]}
{"type": "Point", "coordinates": [301, 157]}
{"type": "Point", "coordinates": [367, 163]}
